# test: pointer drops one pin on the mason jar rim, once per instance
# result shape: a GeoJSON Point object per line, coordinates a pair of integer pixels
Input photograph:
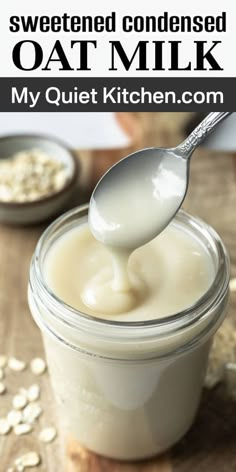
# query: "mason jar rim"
{"type": "Point", "coordinates": [128, 330]}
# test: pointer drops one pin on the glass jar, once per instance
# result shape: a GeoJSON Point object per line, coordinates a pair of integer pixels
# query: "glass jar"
{"type": "Point", "coordinates": [128, 390]}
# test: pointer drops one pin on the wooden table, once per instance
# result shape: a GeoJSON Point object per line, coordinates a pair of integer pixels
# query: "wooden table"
{"type": "Point", "coordinates": [210, 446]}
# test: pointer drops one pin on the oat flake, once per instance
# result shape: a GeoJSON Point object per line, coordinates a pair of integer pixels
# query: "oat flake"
{"type": "Point", "coordinates": [31, 412]}
{"type": "Point", "coordinates": [33, 393]}
{"type": "Point", "coordinates": [5, 427]}
{"type": "Point", "coordinates": [16, 364]}
{"type": "Point", "coordinates": [30, 459]}
{"type": "Point", "coordinates": [14, 417]}
{"type": "Point", "coordinates": [19, 401]}
{"type": "Point", "coordinates": [38, 366]}
{"type": "Point", "coordinates": [48, 434]}
{"type": "Point", "coordinates": [22, 428]}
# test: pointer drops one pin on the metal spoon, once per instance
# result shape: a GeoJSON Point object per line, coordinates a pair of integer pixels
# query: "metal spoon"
{"type": "Point", "coordinates": [139, 196]}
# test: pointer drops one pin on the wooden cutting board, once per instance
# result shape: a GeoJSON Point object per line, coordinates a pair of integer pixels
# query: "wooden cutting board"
{"type": "Point", "coordinates": [210, 446]}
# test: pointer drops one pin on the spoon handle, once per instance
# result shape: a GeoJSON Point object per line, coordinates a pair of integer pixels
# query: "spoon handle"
{"type": "Point", "coordinates": [200, 132]}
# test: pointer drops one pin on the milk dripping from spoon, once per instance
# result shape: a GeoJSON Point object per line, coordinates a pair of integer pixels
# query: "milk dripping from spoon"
{"type": "Point", "coordinates": [134, 202]}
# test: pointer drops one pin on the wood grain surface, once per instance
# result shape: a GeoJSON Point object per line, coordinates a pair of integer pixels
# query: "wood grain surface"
{"type": "Point", "coordinates": [210, 446]}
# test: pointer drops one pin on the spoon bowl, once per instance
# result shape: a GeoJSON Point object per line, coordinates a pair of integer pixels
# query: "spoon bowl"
{"type": "Point", "coordinates": [139, 196]}
{"type": "Point", "coordinates": [128, 198]}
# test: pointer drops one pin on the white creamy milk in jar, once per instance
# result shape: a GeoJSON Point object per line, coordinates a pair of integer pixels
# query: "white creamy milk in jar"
{"type": "Point", "coordinates": [127, 333]}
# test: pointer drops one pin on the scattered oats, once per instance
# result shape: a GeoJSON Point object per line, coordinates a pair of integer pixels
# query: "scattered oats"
{"type": "Point", "coordinates": [31, 412]}
{"type": "Point", "coordinates": [19, 401]}
{"type": "Point", "coordinates": [31, 459]}
{"type": "Point", "coordinates": [47, 435]}
{"type": "Point", "coordinates": [38, 366]}
{"type": "Point", "coordinates": [33, 393]}
{"type": "Point", "coordinates": [14, 417]}
{"type": "Point", "coordinates": [2, 388]}
{"type": "Point", "coordinates": [1, 374]}
{"type": "Point", "coordinates": [3, 361]}
{"type": "Point", "coordinates": [232, 285]}
{"type": "Point", "coordinates": [5, 427]}
{"type": "Point", "coordinates": [22, 428]}
{"type": "Point", "coordinates": [16, 364]}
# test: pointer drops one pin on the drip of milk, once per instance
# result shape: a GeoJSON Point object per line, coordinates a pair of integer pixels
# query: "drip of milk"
{"type": "Point", "coordinates": [129, 213]}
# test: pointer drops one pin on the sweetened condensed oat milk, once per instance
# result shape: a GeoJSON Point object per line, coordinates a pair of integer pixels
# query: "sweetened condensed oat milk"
{"type": "Point", "coordinates": [127, 344]}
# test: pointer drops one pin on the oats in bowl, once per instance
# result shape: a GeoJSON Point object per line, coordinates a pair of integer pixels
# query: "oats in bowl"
{"type": "Point", "coordinates": [29, 175]}
{"type": "Point", "coordinates": [38, 176]}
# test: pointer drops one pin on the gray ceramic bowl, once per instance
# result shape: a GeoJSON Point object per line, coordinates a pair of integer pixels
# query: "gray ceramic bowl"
{"type": "Point", "coordinates": [45, 207]}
